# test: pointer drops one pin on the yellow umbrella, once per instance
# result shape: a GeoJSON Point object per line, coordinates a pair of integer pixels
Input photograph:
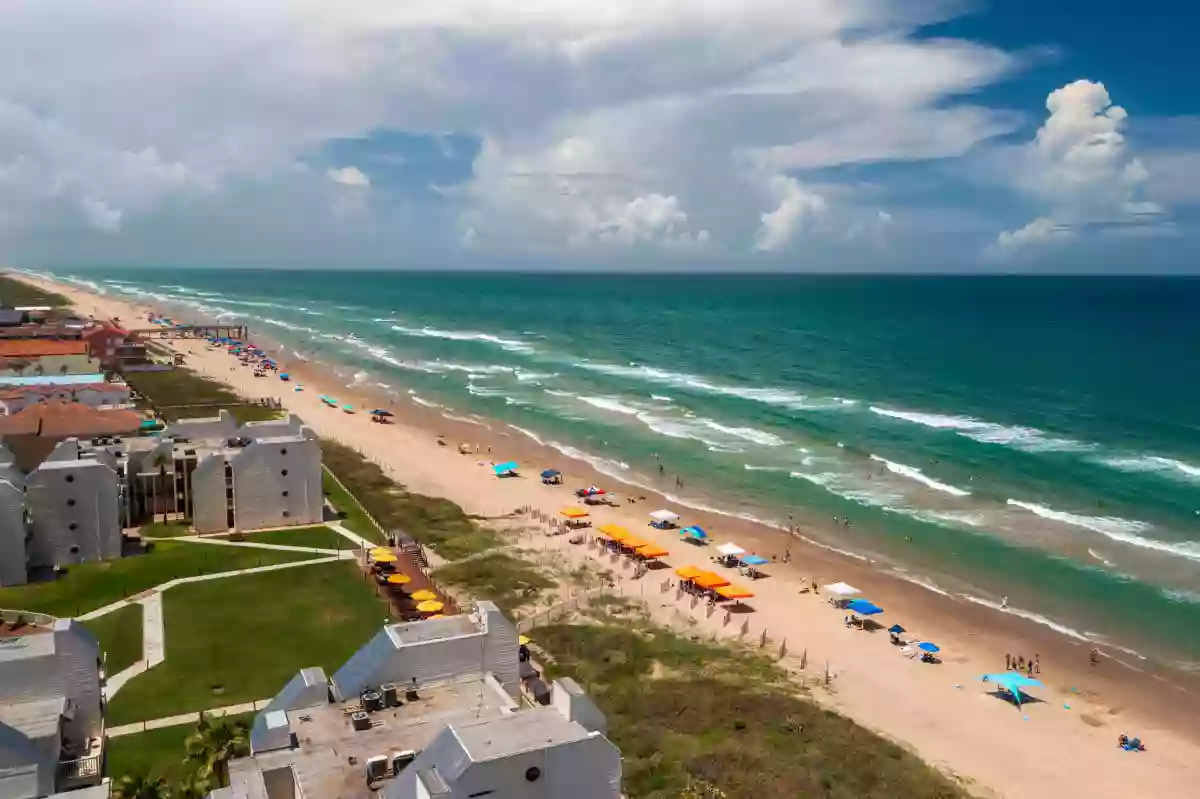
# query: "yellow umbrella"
{"type": "Point", "coordinates": [423, 595]}
{"type": "Point", "coordinates": [399, 579]}
{"type": "Point", "coordinates": [385, 558]}
{"type": "Point", "coordinates": [524, 640]}
{"type": "Point", "coordinates": [430, 606]}
{"type": "Point", "coordinates": [614, 531]}
{"type": "Point", "coordinates": [380, 551]}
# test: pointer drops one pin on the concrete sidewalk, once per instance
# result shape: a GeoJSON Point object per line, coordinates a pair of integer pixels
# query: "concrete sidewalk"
{"type": "Point", "coordinates": [154, 641]}
{"type": "Point", "coordinates": [185, 718]}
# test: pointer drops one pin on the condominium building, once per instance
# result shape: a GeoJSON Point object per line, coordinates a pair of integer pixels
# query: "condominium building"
{"type": "Point", "coordinates": [72, 506]}
{"type": "Point", "coordinates": [428, 709]}
{"type": "Point", "coordinates": [14, 532]}
{"type": "Point", "coordinates": [51, 709]}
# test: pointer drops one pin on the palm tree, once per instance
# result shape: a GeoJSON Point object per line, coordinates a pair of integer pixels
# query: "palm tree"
{"type": "Point", "coordinates": [213, 745]}
{"type": "Point", "coordinates": [194, 786]}
{"type": "Point", "coordinates": [141, 786]}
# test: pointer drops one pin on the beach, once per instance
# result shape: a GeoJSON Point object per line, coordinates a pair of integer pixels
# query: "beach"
{"type": "Point", "coordinates": [1063, 745]}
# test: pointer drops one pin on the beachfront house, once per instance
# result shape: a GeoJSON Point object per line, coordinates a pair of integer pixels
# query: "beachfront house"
{"type": "Point", "coordinates": [71, 500]}
{"type": "Point", "coordinates": [22, 357]}
{"type": "Point", "coordinates": [51, 711]}
{"type": "Point", "coordinates": [427, 709]}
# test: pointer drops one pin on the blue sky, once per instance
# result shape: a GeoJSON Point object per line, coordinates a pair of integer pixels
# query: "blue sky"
{"type": "Point", "coordinates": [832, 135]}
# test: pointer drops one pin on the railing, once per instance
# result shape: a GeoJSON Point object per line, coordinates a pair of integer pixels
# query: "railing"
{"type": "Point", "coordinates": [29, 617]}
{"type": "Point", "coordinates": [79, 770]}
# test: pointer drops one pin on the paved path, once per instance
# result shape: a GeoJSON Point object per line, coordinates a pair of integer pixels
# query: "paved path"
{"type": "Point", "coordinates": [185, 718]}
{"type": "Point", "coordinates": [359, 541]}
{"type": "Point", "coordinates": [154, 642]}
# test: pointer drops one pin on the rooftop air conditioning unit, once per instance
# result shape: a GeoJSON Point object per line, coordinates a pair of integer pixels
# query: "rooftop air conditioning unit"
{"type": "Point", "coordinates": [377, 767]}
{"type": "Point", "coordinates": [360, 720]}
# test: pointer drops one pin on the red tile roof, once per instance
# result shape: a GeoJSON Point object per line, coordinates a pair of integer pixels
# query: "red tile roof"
{"type": "Point", "coordinates": [69, 419]}
{"type": "Point", "coordinates": [36, 348]}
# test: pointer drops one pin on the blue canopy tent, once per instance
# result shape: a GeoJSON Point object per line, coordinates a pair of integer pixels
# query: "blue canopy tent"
{"type": "Point", "coordinates": [896, 629]}
{"type": "Point", "coordinates": [381, 412]}
{"type": "Point", "coordinates": [864, 607]}
{"type": "Point", "coordinates": [929, 646]}
{"type": "Point", "coordinates": [284, 376]}
{"type": "Point", "coordinates": [1013, 683]}
{"type": "Point", "coordinates": [695, 533]}
{"type": "Point", "coordinates": [549, 473]}
{"type": "Point", "coordinates": [506, 468]}
{"type": "Point", "coordinates": [753, 560]}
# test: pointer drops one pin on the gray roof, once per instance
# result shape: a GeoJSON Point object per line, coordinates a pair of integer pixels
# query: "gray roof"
{"type": "Point", "coordinates": [9, 316]}
{"type": "Point", "coordinates": [539, 728]}
{"type": "Point", "coordinates": [38, 718]}
{"type": "Point", "coordinates": [25, 647]}
{"type": "Point", "coordinates": [91, 792]}
{"type": "Point", "coordinates": [418, 632]}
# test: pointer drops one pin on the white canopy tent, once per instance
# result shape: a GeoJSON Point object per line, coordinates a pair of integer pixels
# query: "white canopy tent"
{"type": "Point", "coordinates": [842, 589]}
{"type": "Point", "coordinates": [731, 549]}
{"type": "Point", "coordinates": [664, 516]}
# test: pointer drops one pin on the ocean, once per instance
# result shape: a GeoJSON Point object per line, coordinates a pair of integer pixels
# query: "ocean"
{"type": "Point", "coordinates": [1035, 439]}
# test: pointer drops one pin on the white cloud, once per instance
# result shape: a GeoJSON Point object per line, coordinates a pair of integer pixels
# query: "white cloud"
{"type": "Point", "coordinates": [797, 208]}
{"type": "Point", "coordinates": [652, 219]}
{"type": "Point", "coordinates": [101, 215]}
{"type": "Point", "coordinates": [1079, 167]}
{"type": "Point", "coordinates": [349, 176]}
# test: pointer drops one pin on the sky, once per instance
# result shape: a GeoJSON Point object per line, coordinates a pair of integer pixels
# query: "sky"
{"type": "Point", "coordinates": [817, 135]}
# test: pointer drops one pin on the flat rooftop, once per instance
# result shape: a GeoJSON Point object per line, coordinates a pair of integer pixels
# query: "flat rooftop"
{"type": "Point", "coordinates": [327, 742]}
{"type": "Point", "coordinates": [417, 632]}
{"type": "Point", "coordinates": [537, 728]}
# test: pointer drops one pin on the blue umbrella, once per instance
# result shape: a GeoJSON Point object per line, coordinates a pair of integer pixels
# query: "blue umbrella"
{"type": "Point", "coordinates": [1013, 683]}
{"type": "Point", "coordinates": [505, 468]}
{"type": "Point", "coordinates": [548, 473]}
{"type": "Point", "coordinates": [754, 560]}
{"type": "Point", "coordinates": [929, 646]}
{"type": "Point", "coordinates": [381, 412]}
{"type": "Point", "coordinates": [897, 629]}
{"type": "Point", "coordinates": [864, 606]}
{"type": "Point", "coordinates": [694, 532]}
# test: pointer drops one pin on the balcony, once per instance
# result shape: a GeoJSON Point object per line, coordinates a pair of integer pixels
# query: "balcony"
{"type": "Point", "coordinates": [85, 770]}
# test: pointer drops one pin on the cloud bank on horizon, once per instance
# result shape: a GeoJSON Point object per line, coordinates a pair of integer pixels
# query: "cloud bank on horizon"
{"type": "Point", "coordinates": [813, 133]}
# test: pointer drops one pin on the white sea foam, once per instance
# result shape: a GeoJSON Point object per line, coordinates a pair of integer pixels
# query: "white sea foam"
{"type": "Point", "coordinates": [512, 345]}
{"type": "Point", "coordinates": [1027, 439]}
{"type": "Point", "coordinates": [610, 404]}
{"type": "Point", "coordinates": [1124, 530]}
{"type": "Point", "coordinates": [420, 401]}
{"type": "Point", "coordinates": [1037, 618]}
{"type": "Point", "coordinates": [1156, 464]}
{"type": "Point", "coordinates": [556, 393]}
{"type": "Point", "coordinates": [606, 466]}
{"type": "Point", "coordinates": [747, 433]}
{"type": "Point", "coordinates": [752, 468]}
{"type": "Point", "coordinates": [661, 398]}
{"type": "Point", "coordinates": [286, 325]}
{"type": "Point", "coordinates": [465, 420]}
{"type": "Point", "coordinates": [533, 377]}
{"type": "Point", "coordinates": [845, 487]}
{"type": "Point", "coordinates": [916, 474]}
{"type": "Point", "coordinates": [923, 582]}
{"type": "Point", "coordinates": [1101, 558]}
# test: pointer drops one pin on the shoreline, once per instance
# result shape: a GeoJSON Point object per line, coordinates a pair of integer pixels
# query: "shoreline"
{"type": "Point", "coordinates": [922, 706]}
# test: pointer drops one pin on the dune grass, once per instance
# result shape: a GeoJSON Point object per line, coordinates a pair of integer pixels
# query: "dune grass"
{"type": "Point", "coordinates": [350, 510]}
{"type": "Point", "coordinates": [120, 637]}
{"type": "Point", "coordinates": [184, 394]}
{"type": "Point", "coordinates": [509, 582]}
{"type": "Point", "coordinates": [89, 586]}
{"type": "Point", "coordinates": [242, 639]}
{"type": "Point", "coordinates": [15, 292]}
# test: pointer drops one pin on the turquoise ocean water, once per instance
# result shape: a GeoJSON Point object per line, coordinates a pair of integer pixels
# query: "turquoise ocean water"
{"type": "Point", "coordinates": [1035, 438]}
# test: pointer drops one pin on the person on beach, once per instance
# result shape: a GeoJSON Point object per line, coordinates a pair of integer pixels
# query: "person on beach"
{"type": "Point", "coordinates": [1004, 602]}
{"type": "Point", "coordinates": [661, 469]}
{"type": "Point", "coordinates": [1021, 663]}
{"type": "Point", "coordinates": [1008, 662]}
{"type": "Point", "coordinates": [1095, 656]}
{"type": "Point", "coordinates": [1037, 663]}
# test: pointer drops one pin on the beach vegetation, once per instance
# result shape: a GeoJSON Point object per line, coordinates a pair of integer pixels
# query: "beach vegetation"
{"type": "Point", "coordinates": [181, 393]}
{"type": "Point", "coordinates": [694, 718]}
{"type": "Point", "coordinates": [88, 586]}
{"type": "Point", "coordinates": [437, 523]}
{"type": "Point", "coordinates": [141, 786]}
{"type": "Point", "coordinates": [349, 510]}
{"type": "Point", "coordinates": [241, 639]}
{"type": "Point", "coordinates": [15, 293]}
{"type": "Point", "coordinates": [120, 637]}
{"type": "Point", "coordinates": [162, 754]}
{"type": "Point", "coordinates": [510, 582]}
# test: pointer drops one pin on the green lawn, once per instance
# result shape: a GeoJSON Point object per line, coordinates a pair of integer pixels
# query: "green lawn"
{"type": "Point", "coordinates": [438, 523]}
{"type": "Point", "coordinates": [158, 753]}
{"type": "Point", "coordinates": [318, 537]}
{"type": "Point", "coordinates": [249, 635]}
{"type": "Point", "coordinates": [92, 585]}
{"type": "Point", "coordinates": [353, 517]}
{"type": "Point", "coordinates": [120, 637]}
{"type": "Point", "coordinates": [166, 529]}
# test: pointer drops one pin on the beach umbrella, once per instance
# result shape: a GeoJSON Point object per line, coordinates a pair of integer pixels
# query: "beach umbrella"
{"type": "Point", "coordinates": [348, 408]}
{"type": "Point", "coordinates": [381, 412]}
{"type": "Point", "coordinates": [863, 606]}
{"type": "Point", "coordinates": [754, 560]}
{"type": "Point", "coordinates": [614, 531]}
{"type": "Point", "coordinates": [399, 579]}
{"type": "Point", "coordinates": [731, 549]}
{"type": "Point", "coordinates": [689, 572]}
{"type": "Point", "coordinates": [284, 376]}
{"type": "Point", "coordinates": [524, 640]}
{"type": "Point", "coordinates": [695, 532]}
{"type": "Point", "coordinates": [381, 551]}
{"type": "Point", "coordinates": [387, 557]}
{"type": "Point", "coordinates": [573, 513]}
{"type": "Point", "coordinates": [653, 551]}
{"type": "Point", "coordinates": [896, 629]}
{"type": "Point", "coordinates": [507, 467]}
{"type": "Point", "coordinates": [634, 543]}
{"type": "Point", "coordinates": [423, 595]}
{"type": "Point", "coordinates": [709, 580]}
{"type": "Point", "coordinates": [297, 388]}
{"type": "Point", "coordinates": [430, 606]}
{"type": "Point", "coordinates": [929, 646]}
{"type": "Point", "coordinates": [734, 592]}
{"type": "Point", "coordinates": [664, 516]}
{"type": "Point", "coordinates": [548, 473]}
{"type": "Point", "coordinates": [1013, 683]}
{"type": "Point", "coordinates": [841, 589]}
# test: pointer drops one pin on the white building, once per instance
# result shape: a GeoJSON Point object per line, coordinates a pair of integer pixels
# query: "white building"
{"type": "Point", "coordinates": [72, 505]}
{"type": "Point", "coordinates": [462, 730]}
{"type": "Point", "coordinates": [51, 711]}
{"type": "Point", "coordinates": [14, 558]}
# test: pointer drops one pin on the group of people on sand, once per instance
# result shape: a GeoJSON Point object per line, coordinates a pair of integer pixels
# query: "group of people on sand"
{"type": "Point", "coordinates": [1018, 663]}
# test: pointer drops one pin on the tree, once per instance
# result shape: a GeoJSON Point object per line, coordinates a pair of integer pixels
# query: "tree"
{"type": "Point", "coordinates": [194, 786]}
{"type": "Point", "coordinates": [213, 745]}
{"type": "Point", "coordinates": [141, 786]}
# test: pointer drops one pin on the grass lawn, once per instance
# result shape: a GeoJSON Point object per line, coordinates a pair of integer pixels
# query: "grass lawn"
{"type": "Point", "coordinates": [92, 585]}
{"type": "Point", "coordinates": [438, 523]}
{"type": "Point", "coordinates": [353, 517]}
{"type": "Point", "coordinates": [250, 635]}
{"type": "Point", "coordinates": [318, 537]}
{"type": "Point", "coordinates": [120, 637]}
{"type": "Point", "coordinates": [509, 582]}
{"type": "Point", "coordinates": [158, 753]}
{"type": "Point", "coordinates": [166, 529]}
{"type": "Point", "coordinates": [167, 391]}
{"type": "Point", "coordinates": [680, 708]}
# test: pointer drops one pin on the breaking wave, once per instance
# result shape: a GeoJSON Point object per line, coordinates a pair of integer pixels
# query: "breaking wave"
{"type": "Point", "coordinates": [1124, 530]}
{"type": "Point", "coordinates": [916, 474]}
{"type": "Point", "coordinates": [1026, 439]}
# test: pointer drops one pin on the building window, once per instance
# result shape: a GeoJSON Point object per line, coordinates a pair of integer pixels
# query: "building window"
{"type": "Point", "coordinates": [285, 493]}
{"type": "Point", "coordinates": [286, 514]}
{"type": "Point", "coordinates": [284, 472]}
{"type": "Point", "coordinates": [70, 478]}
{"type": "Point", "coordinates": [532, 774]}
{"type": "Point", "coordinates": [74, 550]}
{"type": "Point", "coordinates": [283, 451]}
{"type": "Point", "coordinates": [72, 526]}
{"type": "Point", "coordinates": [70, 503]}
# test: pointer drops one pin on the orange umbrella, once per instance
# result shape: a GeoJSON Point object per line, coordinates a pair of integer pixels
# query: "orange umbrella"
{"type": "Point", "coordinates": [573, 513]}
{"type": "Point", "coordinates": [710, 580]}
{"type": "Point", "coordinates": [614, 531]}
{"type": "Point", "coordinates": [424, 596]}
{"type": "Point", "coordinates": [399, 579]}
{"type": "Point", "coordinates": [653, 551]}
{"type": "Point", "coordinates": [634, 543]}
{"type": "Point", "coordinates": [689, 572]}
{"type": "Point", "coordinates": [734, 592]}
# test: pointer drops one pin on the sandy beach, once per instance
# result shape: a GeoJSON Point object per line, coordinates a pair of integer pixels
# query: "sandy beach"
{"type": "Point", "coordinates": [1063, 745]}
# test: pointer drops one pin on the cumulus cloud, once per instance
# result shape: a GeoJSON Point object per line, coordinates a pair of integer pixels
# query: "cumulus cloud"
{"type": "Point", "coordinates": [1080, 167]}
{"type": "Point", "coordinates": [100, 215]}
{"type": "Point", "coordinates": [599, 123]}
{"type": "Point", "coordinates": [349, 176]}
{"type": "Point", "coordinates": [797, 208]}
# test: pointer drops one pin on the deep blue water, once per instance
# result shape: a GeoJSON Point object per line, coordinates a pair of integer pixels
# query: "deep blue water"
{"type": "Point", "coordinates": [1036, 438]}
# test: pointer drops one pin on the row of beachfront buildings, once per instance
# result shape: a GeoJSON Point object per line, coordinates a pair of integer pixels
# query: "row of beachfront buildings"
{"type": "Point", "coordinates": [433, 709]}
{"type": "Point", "coordinates": [80, 465]}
